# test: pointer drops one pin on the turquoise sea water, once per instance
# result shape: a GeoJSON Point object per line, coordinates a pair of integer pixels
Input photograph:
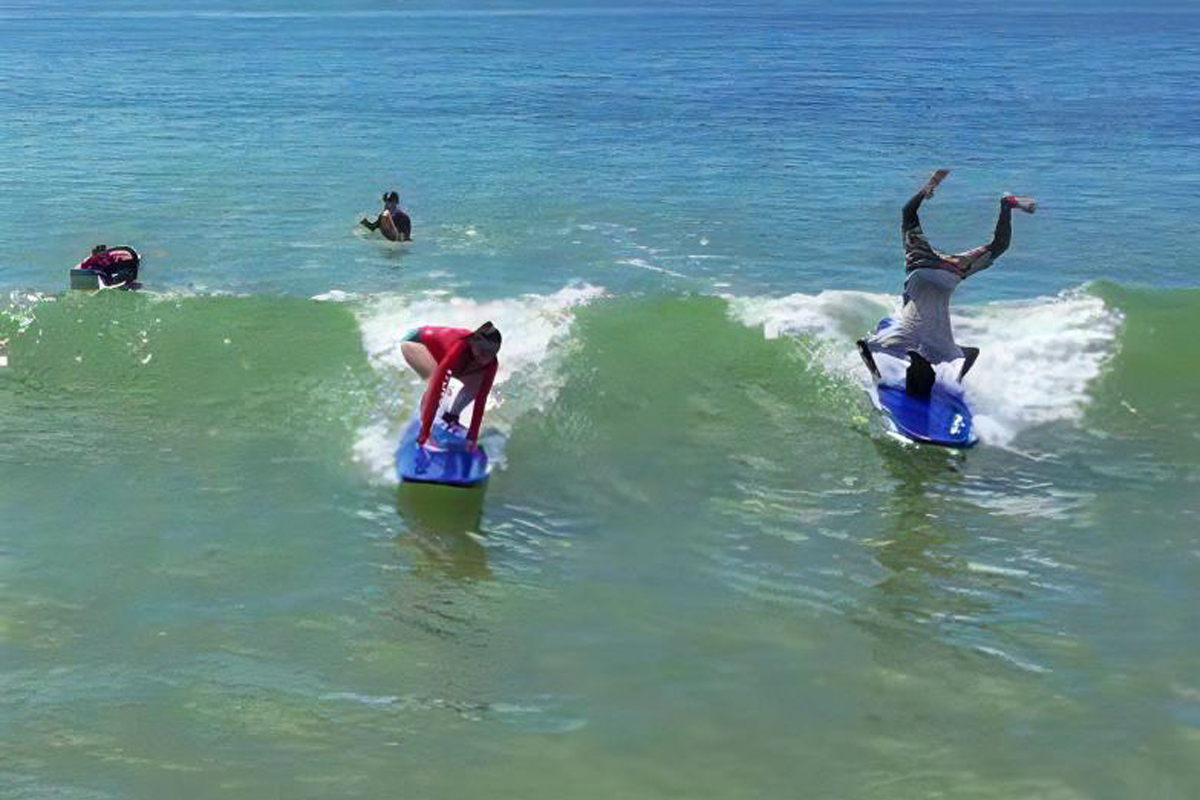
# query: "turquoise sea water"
{"type": "Point", "coordinates": [700, 569]}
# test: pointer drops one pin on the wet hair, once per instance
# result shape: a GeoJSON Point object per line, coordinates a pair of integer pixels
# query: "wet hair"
{"type": "Point", "coordinates": [487, 332]}
{"type": "Point", "coordinates": [100, 248]}
{"type": "Point", "coordinates": [391, 197]}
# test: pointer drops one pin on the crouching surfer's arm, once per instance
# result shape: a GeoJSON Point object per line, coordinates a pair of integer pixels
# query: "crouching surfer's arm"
{"type": "Point", "coordinates": [480, 399]}
{"type": "Point", "coordinates": [435, 389]}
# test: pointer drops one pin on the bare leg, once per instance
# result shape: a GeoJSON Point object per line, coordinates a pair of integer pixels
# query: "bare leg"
{"type": "Point", "coordinates": [467, 394]}
{"type": "Point", "coordinates": [419, 358]}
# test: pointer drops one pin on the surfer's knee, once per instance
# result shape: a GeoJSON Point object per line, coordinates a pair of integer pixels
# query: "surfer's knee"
{"type": "Point", "coordinates": [419, 358]}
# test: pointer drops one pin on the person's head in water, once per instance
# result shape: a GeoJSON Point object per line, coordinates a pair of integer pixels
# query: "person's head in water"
{"type": "Point", "coordinates": [484, 343]}
{"type": "Point", "coordinates": [391, 199]}
{"type": "Point", "coordinates": [100, 248]}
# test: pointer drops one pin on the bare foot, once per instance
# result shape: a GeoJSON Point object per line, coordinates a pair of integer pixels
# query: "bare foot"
{"type": "Point", "coordinates": [934, 181]}
{"type": "Point", "coordinates": [1026, 204]}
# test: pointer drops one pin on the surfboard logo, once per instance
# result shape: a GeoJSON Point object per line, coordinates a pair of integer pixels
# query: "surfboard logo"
{"type": "Point", "coordinates": [957, 425]}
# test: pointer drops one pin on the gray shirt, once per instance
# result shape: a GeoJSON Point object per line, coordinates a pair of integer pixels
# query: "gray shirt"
{"type": "Point", "coordinates": [924, 323]}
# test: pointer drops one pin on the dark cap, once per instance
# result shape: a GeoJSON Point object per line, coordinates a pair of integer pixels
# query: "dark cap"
{"type": "Point", "coordinates": [488, 331]}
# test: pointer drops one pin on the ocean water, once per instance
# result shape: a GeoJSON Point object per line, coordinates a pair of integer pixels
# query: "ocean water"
{"type": "Point", "coordinates": [700, 569]}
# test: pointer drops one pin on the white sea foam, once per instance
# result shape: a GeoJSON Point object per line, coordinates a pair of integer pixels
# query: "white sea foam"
{"type": "Point", "coordinates": [337, 296]}
{"type": "Point", "coordinates": [1037, 359]}
{"type": "Point", "coordinates": [527, 380]}
{"type": "Point", "coordinates": [1041, 356]}
{"type": "Point", "coordinates": [21, 307]}
{"type": "Point", "coordinates": [834, 316]}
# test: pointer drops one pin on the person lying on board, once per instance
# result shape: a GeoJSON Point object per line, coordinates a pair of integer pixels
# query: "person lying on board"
{"type": "Point", "coordinates": [116, 266]}
{"type": "Point", "coordinates": [392, 222]}
{"type": "Point", "coordinates": [923, 332]}
{"type": "Point", "coordinates": [438, 354]}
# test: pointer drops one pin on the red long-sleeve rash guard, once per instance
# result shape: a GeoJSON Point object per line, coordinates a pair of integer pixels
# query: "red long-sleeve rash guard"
{"type": "Point", "coordinates": [449, 347]}
{"type": "Point", "coordinates": [99, 261]}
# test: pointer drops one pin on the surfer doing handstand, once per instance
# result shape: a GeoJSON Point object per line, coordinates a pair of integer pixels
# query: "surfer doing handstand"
{"type": "Point", "coordinates": [438, 354]}
{"type": "Point", "coordinates": [923, 333]}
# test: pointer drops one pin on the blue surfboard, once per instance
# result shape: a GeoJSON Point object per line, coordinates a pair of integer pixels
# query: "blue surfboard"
{"type": "Point", "coordinates": [943, 419]}
{"type": "Point", "coordinates": [451, 463]}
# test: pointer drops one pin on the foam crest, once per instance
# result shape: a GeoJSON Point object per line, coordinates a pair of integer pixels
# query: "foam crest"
{"type": "Point", "coordinates": [526, 380]}
{"type": "Point", "coordinates": [1037, 359]}
{"type": "Point", "coordinates": [833, 315]}
{"type": "Point", "coordinates": [529, 323]}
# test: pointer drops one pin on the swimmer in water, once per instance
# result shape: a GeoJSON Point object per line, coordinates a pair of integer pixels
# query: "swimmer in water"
{"type": "Point", "coordinates": [392, 222]}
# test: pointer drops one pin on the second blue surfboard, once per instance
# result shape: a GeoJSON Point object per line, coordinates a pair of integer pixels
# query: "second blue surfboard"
{"type": "Point", "coordinates": [451, 463]}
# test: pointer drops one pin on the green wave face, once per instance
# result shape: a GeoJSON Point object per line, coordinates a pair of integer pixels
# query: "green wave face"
{"type": "Point", "coordinates": [192, 362]}
{"type": "Point", "coordinates": [668, 375]}
{"type": "Point", "coordinates": [683, 368]}
{"type": "Point", "coordinates": [1152, 382]}
{"type": "Point", "coordinates": [664, 398]}
{"type": "Point", "coordinates": [653, 373]}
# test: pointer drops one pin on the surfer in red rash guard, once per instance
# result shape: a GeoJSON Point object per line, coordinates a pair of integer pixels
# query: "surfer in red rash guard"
{"type": "Point", "coordinates": [438, 354]}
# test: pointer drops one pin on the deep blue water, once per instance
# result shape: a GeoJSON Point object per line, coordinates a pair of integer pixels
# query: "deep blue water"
{"type": "Point", "coordinates": [239, 147]}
